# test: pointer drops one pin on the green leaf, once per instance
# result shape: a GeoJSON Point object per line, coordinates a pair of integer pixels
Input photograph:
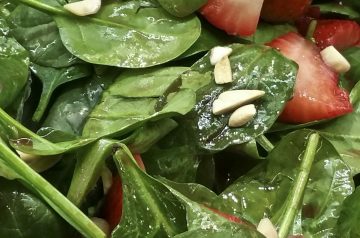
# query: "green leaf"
{"type": "Point", "coordinates": [88, 169]}
{"type": "Point", "coordinates": [181, 8]}
{"type": "Point", "coordinates": [265, 189]}
{"type": "Point", "coordinates": [38, 33]}
{"type": "Point", "coordinates": [116, 115]}
{"type": "Point", "coordinates": [14, 70]}
{"type": "Point", "coordinates": [250, 70]}
{"type": "Point", "coordinates": [149, 208]}
{"type": "Point", "coordinates": [23, 214]}
{"type": "Point", "coordinates": [340, 9]}
{"type": "Point", "coordinates": [201, 217]}
{"type": "Point", "coordinates": [348, 223]}
{"type": "Point", "coordinates": [136, 39]}
{"type": "Point", "coordinates": [51, 196]}
{"type": "Point", "coordinates": [72, 107]}
{"type": "Point", "coordinates": [353, 56]}
{"type": "Point", "coordinates": [344, 132]}
{"type": "Point", "coordinates": [266, 32]}
{"type": "Point", "coordinates": [52, 78]}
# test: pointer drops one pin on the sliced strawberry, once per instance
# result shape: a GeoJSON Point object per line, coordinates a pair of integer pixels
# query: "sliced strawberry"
{"type": "Point", "coordinates": [284, 10]}
{"type": "Point", "coordinates": [236, 17]}
{"type": "Point", "coordinates": [317, 95]}
{"type": "Point", "coordinates": [339, 33]}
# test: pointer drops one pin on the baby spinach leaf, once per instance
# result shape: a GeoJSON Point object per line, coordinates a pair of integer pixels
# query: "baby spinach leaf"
{"type": "Point", "coordinates": [181, 8]}
{"type": "Point", "coordinates": [88, 169]}
{"type": "Point", "coordinates": [266, 32]}
{"type": "Point", "coordinates": [201, 218]}
{"type": "Point", "coordinates": [72, 107]}
{"type": "Point", "coordinates": [353, 56]}
{"type": "Point", "coordinates": [116, 115]}
{"type": "Point", "coordinates": [136, 39]}
{"type": "Point", "coordinates": [344, 132]}
{"type": "Point", "coordinates": [250, 70]}
{"type": "Point", "coordinates": [23, 214]}
{"type": "Point", "coordinates": [149, 208]}
{"type": "Point", "coordinates": [264, 190]}
{"type": "Point", "coordinates": [348, 223]}
{"type": "Point", "coordinates": [52, 78]}
{"type": "Point", "coordinates": [38, 33]}
{"type": "Point", "coordinates": [340, 9]}
{"type": "Point", "coordinates": [50, 195]}
{"type": "Point", "coordinates": [14, 70]}
{"type": "Point", "coordinates": [28, 142]}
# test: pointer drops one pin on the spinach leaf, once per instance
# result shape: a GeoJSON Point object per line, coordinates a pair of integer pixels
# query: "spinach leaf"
{"type": "Point", "coordinates": [266, 32]}
{"type": "Point", "coordinates": [28, 142]}
{"type": "Point", "coordinates": [264, 190]}
{"type": "Point", "coordinates": [116, 115]}
{"type": "Point", "coordinates": [343, 132]}
{"type": "Point", "coordinates": [149, 208]}
{"type": "Point", "coordinates": [348, 223]}
{"type": "Point", "coordinates": [14, 70]}
{"type": "Point", "coordinates": [37, 32]}
{"type": "Point", "coordinates": [250, 70]}
{"type": "Point", "coordinates": [353, 56]}
{"type": "Point", "coordinates": [72, 107]}
{"type": "Point", "coordinates": [202, 219]}
{"type": "Point", "coordinates": [352, 3]}
{"type": "Point", "coordinates": [340, 9]}
{"type": "Point", "coordinates": [136, 39]}
{"type": "Point", "coordinates": [23, 214]}
{"type": "Point", "coordinates": [50, 195]}
{"type": "Point", "coordinates": [181, 8]}
{"type": "Point", "coordinates": [52, 78]}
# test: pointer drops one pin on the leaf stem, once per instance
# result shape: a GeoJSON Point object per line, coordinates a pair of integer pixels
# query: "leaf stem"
{"type": "Point", "coordinates": [50, 194]}
{"type": "Point", "coordinates": [265, 143]}
{"type": "Point", "coordinates": [296, 194]}
{"type": "Point", "coordinates": [45, 7]}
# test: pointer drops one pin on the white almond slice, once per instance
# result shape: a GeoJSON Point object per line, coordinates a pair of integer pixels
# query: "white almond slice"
{"type": "Point", "coordinates": [222, 71]}
{"type": "Point", "coordinates": [102, 224]}
{"type": "Point", "coordinates": [219, 52]}
{"type": "Point", "coordinates": [242, 115]}
{"type": "Point", "coordinates": [106, 178]}
{"type": "Point", "coordinates": [83, 8]}
{"type": "Point", "coordinates": [266, 228]}
{"type": "Point", "coordinates": [230, 100]}
{"type": "Point", "coordinates": [335, 60]}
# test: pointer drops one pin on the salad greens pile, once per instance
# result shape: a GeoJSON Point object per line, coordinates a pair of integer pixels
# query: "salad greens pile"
{"type": "Point", "coordinates": [80, 97]}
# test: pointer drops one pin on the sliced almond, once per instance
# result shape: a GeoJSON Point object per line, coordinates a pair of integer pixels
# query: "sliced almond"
{"type": "Point", "coordinates": [266, 228]}
{"type": "Point", "coordinates": [219, 52]}
{"type": "Point", "coordinates": [106, 178]}
{"type": "Point", "coordinates": [37, 162]}
{"type": "Point", "coordinates": [102, 224]}
{"type": "Point", "coordinates": [230, 100]}
{"type": "Point", "coordinates": [335, 60]}
{"type": "Point", "coordinates": [83, 8]}
{"type": "Point", "coordinates": [242, 115]}
{"type": "Point", "coordinates": [222, 71]}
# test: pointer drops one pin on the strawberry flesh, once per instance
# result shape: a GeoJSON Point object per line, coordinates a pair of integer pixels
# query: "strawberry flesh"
{"type": "Point", "coordinates": [341, 34]}
{"type": "Point", "coordinates": [284, 11]}
{"type": "Point", "coordinates": [317, 95]}
{"type": "Point", "coordinates": [236, 17]}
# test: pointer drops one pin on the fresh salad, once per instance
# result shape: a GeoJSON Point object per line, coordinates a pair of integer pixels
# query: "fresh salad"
{"type": "Point", "coordinates": [179, 118]}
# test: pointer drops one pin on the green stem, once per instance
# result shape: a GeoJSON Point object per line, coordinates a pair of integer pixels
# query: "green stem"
{"type": "Point", "coordinates": [265, 143]}
{"type": "Point", "coordinates": [51, 195]}
{"type": "Point", "coordinates": [296, 194]}
{"type": "Point", "coordinates": [45, 7]}
{"type": "Point", "coordinates": [311, 30]}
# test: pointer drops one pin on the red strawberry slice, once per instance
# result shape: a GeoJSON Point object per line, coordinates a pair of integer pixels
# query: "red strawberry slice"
{"type": "Point", "coordinates": [236, 17]}
{"type": "Point", "coordinates": [339, 33]}
{"type": "Point", "coordinates": [284, 10]}
{"type": "Point", "coordinates": [317, 95]}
